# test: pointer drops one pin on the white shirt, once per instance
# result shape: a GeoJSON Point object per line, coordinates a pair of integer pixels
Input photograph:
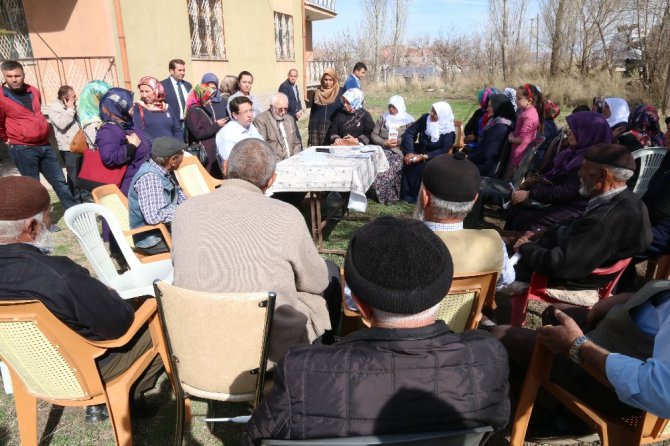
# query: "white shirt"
{"type": "Point", "coordinates": [182, 107]}
{"type": "Point", "coordinates": [231, 134]}
{"type": "Point", "coordinates": [255, 103]}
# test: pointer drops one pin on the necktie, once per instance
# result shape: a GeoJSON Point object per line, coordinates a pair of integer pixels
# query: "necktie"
{"type": "Point", "coordinates": [182, 102]}
{"type": "Point", "coordinates": [282, 131]}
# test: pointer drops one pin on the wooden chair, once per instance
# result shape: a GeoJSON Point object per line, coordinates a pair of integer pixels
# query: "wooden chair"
{"type": "Point", "coordinates": [194, 179]}
{"type": "Point", "coordinates": [650, 160]}
{"type": "Point", "coordinates": [111, 197]}
{"type": "Point", "coordinates": [658, 268]}
{"type": "Point", "coordinates": [461, 309]}
{"type": "Point", "coordinates": [49, 361]}
{"type": "Point", "coordinates": [538, 290]}
{"type": "Point", "coordinates": [465, 437]}
{"type": "Point", "coordinates": [613, 431]}
{"type": "Point", "coordinates": [231, 332]}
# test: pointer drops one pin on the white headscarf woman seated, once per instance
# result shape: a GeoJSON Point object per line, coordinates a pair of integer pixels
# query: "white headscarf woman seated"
{"type": "Point", "coordinates": [616, 111]}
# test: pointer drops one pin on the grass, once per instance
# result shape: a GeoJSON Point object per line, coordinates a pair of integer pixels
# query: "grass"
{"type": "Point", "coordinates": [65, 426]}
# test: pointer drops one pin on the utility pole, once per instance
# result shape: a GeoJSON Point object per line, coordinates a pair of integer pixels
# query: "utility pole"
{"type": "Point", "coordinates": [537, 38]}
{"type": "Point", "coordinates": [504, 41]}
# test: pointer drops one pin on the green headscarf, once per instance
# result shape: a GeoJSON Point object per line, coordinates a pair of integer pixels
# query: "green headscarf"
{"type": "Point", "coordinates": [88, 107]}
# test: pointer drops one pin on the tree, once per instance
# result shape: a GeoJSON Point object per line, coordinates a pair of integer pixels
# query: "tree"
{"type": "Point", "coordinates": [375, 12]}
{"type": "Point", "coordinates": [400, 8]}
{"type": "Point", "coordinates": [554, 16]}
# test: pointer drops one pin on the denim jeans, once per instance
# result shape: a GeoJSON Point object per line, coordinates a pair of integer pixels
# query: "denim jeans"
{"type": "Point", "coordinates": [31, 160]}
{"type": "Point", "coordinates": [72, 166]}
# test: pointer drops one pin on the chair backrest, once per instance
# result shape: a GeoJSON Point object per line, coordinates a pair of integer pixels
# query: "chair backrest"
{"type": "Point", "coordinates": [526, 161]}
{"type": "Point", "coordinates": [111, 197]}
{"type": "Point", "coordinates": [193, 178]}
{"type": "Point", "coordinates": [52, 361]}
{"type": "Point", "coordinates": [82, 221]}
{"type": "Point", "coordinates": [650, 160]}
{"type": "Point", "coordinates": [617, 268]}
{"type": "Point", "coordinates": [503, 157]}
{"type": "Point", "coordinates": [464, 437]}
{"type": "Point", "coordinates": [460, 141]}
{"type": "Point", "coordinates": [461, 309]}
{"type": "Point", "coordinates": [218, 342]}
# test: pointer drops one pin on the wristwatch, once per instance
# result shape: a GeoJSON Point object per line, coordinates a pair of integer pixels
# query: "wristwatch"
{"type": "Point", "coordinates": [576, 346]}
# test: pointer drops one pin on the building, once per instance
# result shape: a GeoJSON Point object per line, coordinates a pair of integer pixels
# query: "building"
{"type": "Point", "coordinates": [119, 41]}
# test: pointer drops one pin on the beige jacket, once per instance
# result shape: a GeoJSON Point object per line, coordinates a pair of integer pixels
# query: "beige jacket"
{"type": "Point", "coordinates": [64, 123]}
{"type": "Point", "coordinates": [267, 126]}
{"type": "Point", "coordinates": [237, 239]}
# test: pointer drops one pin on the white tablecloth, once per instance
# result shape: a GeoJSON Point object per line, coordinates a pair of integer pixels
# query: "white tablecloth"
{"type": "Point", "coordinates": [344, 169]}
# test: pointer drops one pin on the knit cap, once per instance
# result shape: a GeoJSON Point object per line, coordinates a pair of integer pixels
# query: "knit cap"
{"type": "Point", "coordinates": [452, 178]}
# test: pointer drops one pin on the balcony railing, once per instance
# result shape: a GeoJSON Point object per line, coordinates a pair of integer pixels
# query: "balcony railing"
{"type": "Point", "coordinates": [49, 73]}
{"type": "Point", "coordinates": [315, 70]}
{"type": "Point", "coordinates": [326, 4]}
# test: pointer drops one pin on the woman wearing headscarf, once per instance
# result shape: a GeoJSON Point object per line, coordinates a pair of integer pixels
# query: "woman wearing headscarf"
{"type": "Point", "coordinates": [152, 114]}
{"type": "Point", "coordinates": [431, 135]}
{"type": "Point", "coordinates": [326, 102]}
{"type": "Point", "coordinates": [510, 92]}
{"type": "Point", "coordinates": [644, 131]}
{"type": "Point", "coordinates": [494, 135]}
{"type": "Point", "coordinates": [201, 124]}
{"type": "Point", "coordinates": [473, 128]}
{"type": "Point", "coordinates": [118, 141]}
{"type": "Point", "coordinates": [616, 111]}
{"type": "Point", "coordinates": [555, 197]}
{"type": "Point", "coordinates": [88, 109]}
{"type": "Point", "coordinates": [218, 103]}
{"type": "Point", "coordinates": [387, 133]}
{"type": "Point", "coordinates": [352, 124]}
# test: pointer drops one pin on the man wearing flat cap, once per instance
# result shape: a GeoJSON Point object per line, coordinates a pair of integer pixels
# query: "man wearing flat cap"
{"type": "Point", "coordinates": [154, 193]}
{"type": "Point", "coordinates": [614, 226]}
{"type": "Point", "coordinates": [449, 189]}
{"type": "Point", "coordinates": [407, 372]}
{"type": "Point", "coordinates": [66, 289]}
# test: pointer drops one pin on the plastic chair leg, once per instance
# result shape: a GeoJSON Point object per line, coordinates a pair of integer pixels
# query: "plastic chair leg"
{"type": "Point", "coordinates": [26, 414]}
{"type": "Point", "coordinates": [519, 308]}
{"type": "Point", "coordinates": [118, 405]}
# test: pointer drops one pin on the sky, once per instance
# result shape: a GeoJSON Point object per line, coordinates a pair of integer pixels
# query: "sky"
{"type": "Point", "coordinates": [425, 17]}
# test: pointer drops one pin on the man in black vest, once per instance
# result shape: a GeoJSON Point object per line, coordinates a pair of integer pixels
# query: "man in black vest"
{"type": "Point", "coordinates": [176, 88]}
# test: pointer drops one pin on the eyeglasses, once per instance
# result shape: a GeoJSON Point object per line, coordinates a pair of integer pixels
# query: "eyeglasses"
{"type": "Point", "coordinates": [280, 109]}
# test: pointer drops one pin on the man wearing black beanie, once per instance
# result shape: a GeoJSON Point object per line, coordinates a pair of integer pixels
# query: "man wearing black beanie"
{"type": "Point", "coordinates": [407, 372]}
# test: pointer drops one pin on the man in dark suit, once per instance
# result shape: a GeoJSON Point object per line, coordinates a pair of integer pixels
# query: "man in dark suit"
{"type": "Point", "coordinates": [290, 89]}
{"type": "Point", "coordinates": [176, 88]}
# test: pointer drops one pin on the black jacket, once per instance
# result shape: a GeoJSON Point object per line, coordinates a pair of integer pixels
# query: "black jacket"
{"type": "Point", "coordinates": [171, 96]}
{"type": "Point", "coordinates": [383, 381]}
{"type": "Point", "coordinates": [67, 290]}
{"type": "Point", "coordinates": [294, 105]}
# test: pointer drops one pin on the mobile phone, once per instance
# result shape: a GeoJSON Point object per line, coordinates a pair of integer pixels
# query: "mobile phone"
{"type": "Point", "coordinates": [323, 149]}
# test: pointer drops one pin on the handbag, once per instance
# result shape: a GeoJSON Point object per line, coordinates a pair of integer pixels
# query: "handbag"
{"type": "Point", "coordinates": [94, 173]}
{"type": "Point", "coordinates": [198, 150]}
{"type": "Point", "coordinates": [79, 143]}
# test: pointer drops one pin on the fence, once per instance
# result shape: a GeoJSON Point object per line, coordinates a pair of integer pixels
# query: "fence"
{"type": "Point", "coordinates": [326, 4]}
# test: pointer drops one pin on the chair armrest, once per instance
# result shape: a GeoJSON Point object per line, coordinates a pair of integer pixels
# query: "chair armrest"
{"type": "Point", "coordinates": [146, 311]}
{"type": "Point", "coordinates": [538, 283]}
{"type": "Point", "coordinates": [161, 227]}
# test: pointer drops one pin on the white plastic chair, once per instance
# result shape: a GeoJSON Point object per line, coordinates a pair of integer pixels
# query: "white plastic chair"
{"type": "Point", "coordinates": [650, 160]}
{"type": "Point", "coordinates": [138, 280]}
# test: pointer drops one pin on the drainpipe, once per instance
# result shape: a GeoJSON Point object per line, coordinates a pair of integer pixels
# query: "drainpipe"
{"type": "Point", "coordinates": [304, 49]}
{"type": "Point", "coordinates": [122, 44]}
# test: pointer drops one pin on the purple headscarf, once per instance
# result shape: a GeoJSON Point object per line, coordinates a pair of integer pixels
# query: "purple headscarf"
{"type": "Point", "coordinates": [588, 128]}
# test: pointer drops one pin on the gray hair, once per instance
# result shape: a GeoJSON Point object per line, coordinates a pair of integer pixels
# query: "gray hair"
{"type": "Point", "coordinates": [444, 209]}
{"type": "Point", "coordinates": [161, 160]}
{"type": "Point", "coordinates": [12, 229]}
{"type": "Point", "coordinates": [252, 160]}
{"type": "Point", "coordinates": [620, 173]}
{"type": "Point", "coordinates": [386, 319]}
{"type": "Point", "coordinates": [275, 97]}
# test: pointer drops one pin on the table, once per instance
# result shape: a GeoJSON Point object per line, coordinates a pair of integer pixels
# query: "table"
{"type": "Point", "coordinates": [350, 169]}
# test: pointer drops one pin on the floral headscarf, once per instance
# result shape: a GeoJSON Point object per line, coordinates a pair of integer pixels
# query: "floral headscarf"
{"type": "Point", "coordinates": [551, 110]}
{"type": "Point", "coordinates": [354, 97]}
{"type": "Point", "coordinates": [88, 106]}
{"type": "Point", "coordinates": [444, 124]}
{"type": "Point", "coordinates": [645, 127]}
{"type": "Point", "coordinates": [199, 95]}
{"type": "Point", "coordinates": [159, 91]}
{"type": "Point", "coordinates": [115, 107]}
{"type": "Point", "coordinates": [510, 92]}
{"type": "Point", "coordinates": [211, 78]}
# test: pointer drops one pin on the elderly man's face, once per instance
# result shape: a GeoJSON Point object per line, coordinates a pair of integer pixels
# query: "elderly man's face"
{"type": "Point", "coordinates": [280, 108]}
{"type": "Point", "coordinates": [591, 179]}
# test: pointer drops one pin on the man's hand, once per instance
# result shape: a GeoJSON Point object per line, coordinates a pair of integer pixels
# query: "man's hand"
{"type": "Point", "coordinates": [525, 238]}
{"type": "Point", "coordinates": [408, 159]}
{"type": "Point", "coordinates": [603, 306]}
{"type": "Point", "coordinates": [519, 196]}
{"type": "Point", "coordinates": [298, 114]}
{"type": "Point", "coordinates": [69, 103]}
{"type": "Point", "coordinates": [134, 139]}
{"type": "Point", "coordinates": [559, 338]}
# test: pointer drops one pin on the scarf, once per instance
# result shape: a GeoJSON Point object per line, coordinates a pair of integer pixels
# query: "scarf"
{"type": "Point", "coordinates": [619, 111]}
{"type": "Point", "coordinates": [211, 78]}
{"type": "Point", "coordinates": [444, 123]}
{"type": "Point", "coordinates": [159, 92]}
{"type": "Point", "coordinates": [326, 96]}
{"type": "Point", "coordinates": [88, 106]}
{"type": "Point", "coordinates": [354, 97]}
{"type": "Point", "coordinates": [645, 128]}
{"type": "Point", "coordinates": [551, 110]}
{"type": "Point", "coordinates": [399, 119]}
{"type": "Point", "coordinates": [200, 95]}
{"type": "Point", "coordinates": [511, 95]}
{"type": "Point", "coordinates": [115, 107]}
{"type": "Point", "coordinates": [503, 112]}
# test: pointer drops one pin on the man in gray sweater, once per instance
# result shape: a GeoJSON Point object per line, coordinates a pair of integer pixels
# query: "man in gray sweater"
{"type": "Point", "coordinates": [237, 239]}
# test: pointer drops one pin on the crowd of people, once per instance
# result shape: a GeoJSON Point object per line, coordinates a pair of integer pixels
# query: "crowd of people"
{"type": "Point", "coordinates": [408, 371]}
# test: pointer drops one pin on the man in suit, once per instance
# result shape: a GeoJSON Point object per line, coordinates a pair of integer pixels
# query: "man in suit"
{"type": "Point", "coordinates": [278, 127]}
{"type": "Point", "coordinates": [176, 88]}
{"type": "Point", "coordinates": [290, 89]}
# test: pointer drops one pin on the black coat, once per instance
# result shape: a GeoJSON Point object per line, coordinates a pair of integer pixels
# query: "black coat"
{"type": "Point", "coordinates": [294, 105]}
{"type": "Point", "coordinates": [384, 381]}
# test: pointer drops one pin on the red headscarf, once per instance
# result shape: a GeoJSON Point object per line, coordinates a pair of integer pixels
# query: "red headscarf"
{"type": "Point", "coordinates": [159, 91]}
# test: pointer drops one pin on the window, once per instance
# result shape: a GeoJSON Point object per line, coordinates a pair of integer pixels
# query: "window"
{"type": "Point", "coordinates": [284, 36]}
{"type": "Point", "coordinates": [205, 19]}
{"type": "Point", "coordinates": [14, 40]}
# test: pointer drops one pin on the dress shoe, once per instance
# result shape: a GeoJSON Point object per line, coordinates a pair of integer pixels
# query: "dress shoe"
{"type": "Point", "coordinates": [96, 413]}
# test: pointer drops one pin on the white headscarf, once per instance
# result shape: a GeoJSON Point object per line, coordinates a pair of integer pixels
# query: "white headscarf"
{"type": "Point", "coordinates": [399, 119]}
{"type": "Point", "coordinates": [444, 124]}
{"type": "Point", "coordinates": [620, 111]}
